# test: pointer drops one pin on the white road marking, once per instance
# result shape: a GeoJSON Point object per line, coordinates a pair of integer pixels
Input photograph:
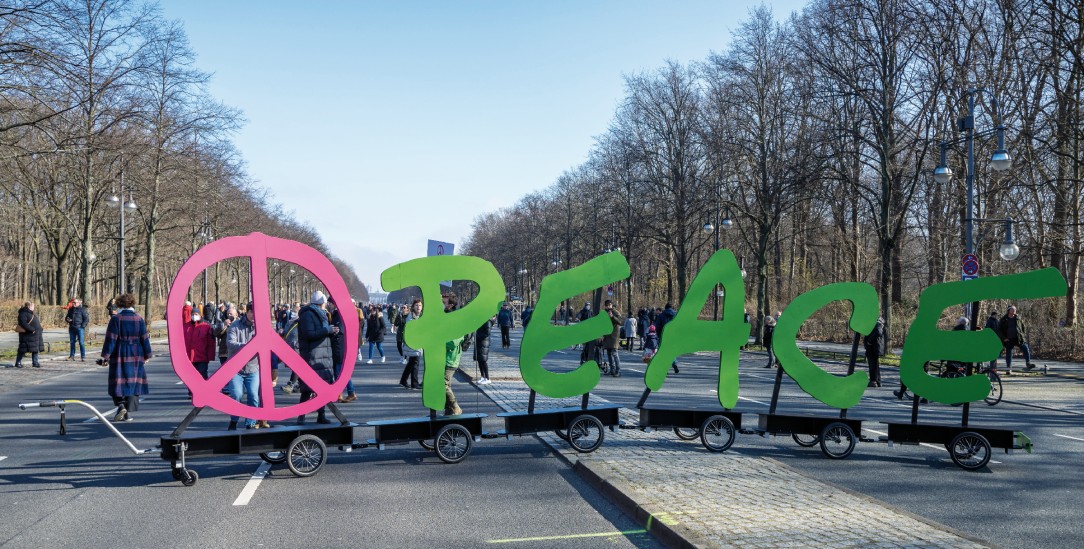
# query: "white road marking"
{"type": "Point", "coordinates": [2, 458]}
{"type": "Point", "coordinates": [179, 383]}
{"type": "Point", "coordinates": [253, 483]}
{"type": "Point", "coordinates": [634, 370]}
{"type": "Point", "coordinates": [751, 400]}
{"type": "Point", "coordinates": [95, 418]}
{"type": "Point", "coordinates": [942, 448]}
{"type": "Point", "coordinates": [1069, 437]}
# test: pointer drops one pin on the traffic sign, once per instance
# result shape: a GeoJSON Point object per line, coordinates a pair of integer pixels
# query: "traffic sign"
{"type": "Point", "coordinates": [970, 265]}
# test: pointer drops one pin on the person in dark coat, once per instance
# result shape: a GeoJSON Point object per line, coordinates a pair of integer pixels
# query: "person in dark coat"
{"type": "Point", "coordinates": [769, 338]}
{"type": "Point", "coordinates": [375, 328]}
{"type": "Point", "coordinates": [314, 332]}
{"type": "Point", "coordinates": [481, 350]}
{"type": "Point", "coordinates": [338, 349]}
{"type": "Point", "coordinates": [77, 320]}
{"type": "Point", "coordinates": [30, 340]}
{"type": "Point", "coordinates": [992, 323]}
{"type": "Point", "coordinates": [611, 340]}
{"type": "Point", "coordinates": [505, 321]}
{"type": "Point", "coordinates": [661, 320]}
{"type": "Point", "coordinates": [875, 349]}
{"type": "Point", "coordinates": [126, 348]}
{"type": "Point", "coordinates": [1014, 333]}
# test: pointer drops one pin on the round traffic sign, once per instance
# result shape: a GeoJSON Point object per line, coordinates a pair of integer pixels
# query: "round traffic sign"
{"type": "Point", "coordinates": [970, 264]}
{"type": "Point", "coordinates": [259, 248]}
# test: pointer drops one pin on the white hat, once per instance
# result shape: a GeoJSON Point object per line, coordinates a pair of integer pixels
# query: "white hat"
{"type": "Point", "coordinates": [318, 298]}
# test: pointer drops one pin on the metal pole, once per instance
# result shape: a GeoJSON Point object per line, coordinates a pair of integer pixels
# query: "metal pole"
{"type": "Point", "coordinates": [970, 222]}
{"type": "Point", "coordinates": [121, 283]}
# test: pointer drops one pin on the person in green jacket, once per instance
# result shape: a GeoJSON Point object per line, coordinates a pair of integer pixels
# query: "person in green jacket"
{"type": "Point", "coordinates": [453, 352]}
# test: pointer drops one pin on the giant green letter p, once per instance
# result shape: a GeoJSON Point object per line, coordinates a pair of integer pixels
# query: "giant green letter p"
{"type": "Point", "coordinates": [435, 328]}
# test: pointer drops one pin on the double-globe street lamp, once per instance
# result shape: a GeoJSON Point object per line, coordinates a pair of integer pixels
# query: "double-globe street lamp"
{"type": "Point", "coordinates": [118, 200]}
{"type": "Point", "coordinates": [1000, 161]}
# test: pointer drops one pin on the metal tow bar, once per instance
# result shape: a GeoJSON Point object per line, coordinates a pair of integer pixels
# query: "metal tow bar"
{"type": "Point", "coordinates": [63, 426]}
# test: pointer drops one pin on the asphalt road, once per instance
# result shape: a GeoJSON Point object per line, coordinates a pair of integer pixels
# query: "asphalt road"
{"type": "Point", "coordinates": [86, 490]}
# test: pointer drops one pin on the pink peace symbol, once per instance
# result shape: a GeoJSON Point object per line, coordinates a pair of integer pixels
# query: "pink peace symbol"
{"type": "Point", "coordinates": [259, 247]}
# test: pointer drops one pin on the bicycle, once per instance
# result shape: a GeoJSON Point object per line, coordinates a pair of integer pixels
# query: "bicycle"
{"type": "Point", "coordinates": [953, 369]}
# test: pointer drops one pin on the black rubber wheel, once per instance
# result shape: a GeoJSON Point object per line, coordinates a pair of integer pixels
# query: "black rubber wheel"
{"type": "Point", "coordinates": [686, 433]}
{"type": "Point", "coordinates": [995, 389]}
{"type": "Point", "coordinates": [189, 477]}
{"type": "Point", "coordinates": [177, 473]}
{"type": "Point", "coordinates": [837, 440]}
{"type": "Point", "coordinates": [585, 433]}
{"type": "Point", "coordinates": [717, 433]}
{"type": "Point", "coordinates": [274, 458]}
{"type": "Point", "coordinates": [970, 450]}
{"type": "Point", "coordinates": [453, 443]}
{"type": "Point", "coordinates": [931, 369]}
{"type": "Point", "coordinates": [306, 455]}
{"type": "Point", "coordinates": [561, 434]}
{"type": "Point", "coordinates": [427, 444]}
{"type": "Point", "coordinates": [805, 440]}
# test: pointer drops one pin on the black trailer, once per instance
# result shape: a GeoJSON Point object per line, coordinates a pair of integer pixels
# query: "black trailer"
{"type": "Point", "coordinates": [837, 435]}
{"type": "Point", "coordinates": [968, 445]}
{"type": "Point", "coordinates": [583, 426]}
{"type": "Point", "coordinates": [715, 427]}
{"type": "Point", "coordinates": [452, 437]}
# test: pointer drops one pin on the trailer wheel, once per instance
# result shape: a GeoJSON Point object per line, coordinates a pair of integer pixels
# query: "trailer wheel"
{"type": "Point", "coordinates": [585, 433]}
{"type": "Point", "coordinates": [453, 443]}
{"type": "Point", "coordinates": [425, 443]}
{"type": "Point", "coordinates": [970, 450]}
{"type": "Point", "coordinates": [686, 433]}
{"type": "Point", "coordinates": [837, 440]}
{"type": "Point", "coordinates": [561, 434]}
{"type": "Point", "coordinates": [274, 458]}
{"type": "Point", "coordinates": [806, 440]}
{"type": "Point", "coordinates": [189, 477]}
{"type": "Point", "coordinates": [177, 472]}
{"type": "Point", "coordinates": [306, 455]}
{"type": "Point", "coordinates": [995, 389]}
{"type": "Point", "coordinates": [717, 433]}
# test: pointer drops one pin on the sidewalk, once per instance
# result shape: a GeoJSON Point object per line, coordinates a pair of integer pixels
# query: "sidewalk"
{"type": "Point", "coordinates": [690, 497]}
{"type": "Point", "coordinates": [56, 339]}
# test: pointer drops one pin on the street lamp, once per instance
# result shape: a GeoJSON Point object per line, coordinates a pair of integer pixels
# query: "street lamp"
{"type": "Point", "coordinates": [118, 200]}
{"type": "Point", "coordinates": [713, 228]}
{"type": "Point", "coordinates": [1000, 161]}
{"type": "Point", "coordinates": [204, 234]}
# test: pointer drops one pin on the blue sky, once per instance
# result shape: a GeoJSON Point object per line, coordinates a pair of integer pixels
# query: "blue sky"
{"type": "Point", "coordinates": [384, 124]}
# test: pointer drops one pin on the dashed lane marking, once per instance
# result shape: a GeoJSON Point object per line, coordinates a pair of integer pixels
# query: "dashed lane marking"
{"type": "Point", "coordinates": [571, 536]}
{"type": "Point", "coordinates": [253, 483]}
{"type": "Point", "coordinates": [1055, 434]}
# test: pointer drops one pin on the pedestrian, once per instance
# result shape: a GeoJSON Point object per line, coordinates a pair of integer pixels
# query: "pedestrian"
{"type": "Point", "coordinates": [481, 349]}
{"type": "Point", "coordinates": [641, 326]}
{"type": "Point", "coordinates": [769, 337]}
{"type": "Point", "coordinates": [30, 336]}
{"type": "Point", "coordinates": [505, 322]}
{"type": "Point", "coordinates": [453, 350]}
{"type": "Point", "coordinates": [314, 345]}
{"type": "Point", "coordinates": [1014, 333]}
{"type": "Point", "coordinates": [290, 336]}
{"type": "Point", "coordinates": [199, 344]}
{"type": "Point", "coordinates": [246, 382]}
{"type": "Point", "coordinates": [413, 356]}
{"type": "Point", "coordinates": [375, 328]}
{"type": "Point", "coordinates": [126, 349]}
{"type": "Point", "coordinates": [77, 320]}
{"type": "Point", "coordinates": [661, 320]}
{"type": "Point", "coordinates": [651, 344]}
{"type": "Point", "coordinates": [875, 348]}
{"type": "Point", "coordinates": [611, 340]}
{"type": "Point", "coordinates": [400, 319]}
{"type": "Point", "coordinates": [111, 307]}
{"type": "Point", "coordinates": [338, 349]}
{"type": "Point", "coordinates": [525, 317]}
{"type": "Point", "coordinates": [992, 323]}
{"type": "Point", "coordinates": [219, 329]}
{"type": "Point", "coordinates": [585, 312]}
{"type": "Point", "coordinates": [631, 325]}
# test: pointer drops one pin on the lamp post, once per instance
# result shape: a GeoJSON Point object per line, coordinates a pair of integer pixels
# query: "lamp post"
{"type": "Point", "coordinates": [118, 200]}
{"type": "Point", "coordinates": [713, 228]}
{"type": "Point", "coordinates": [205, 235]}
{"type": "Point", "coordinates": [1000, 161]}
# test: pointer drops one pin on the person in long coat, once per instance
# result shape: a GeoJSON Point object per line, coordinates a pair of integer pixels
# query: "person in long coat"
{"type": "Point", "coordinates": [481, 349]}
{"type": "Point", "coordinates": [375, 328]}
{"type": "Point", "coordinates": [314, 331]}
{"type": "Point", "coordinates": [126, 349]}
{"type": "Point", "coordinates": [30, 340]}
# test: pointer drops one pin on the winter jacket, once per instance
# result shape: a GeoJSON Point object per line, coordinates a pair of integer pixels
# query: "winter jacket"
{"type": "Point", "coordinates": [875, 340]}
{"type": "Point", "coordinates": [610, 340]}
{"type": "Point", "coordinates": [504, 318]}
{"type": "Point", "coordinates": [481, 341]}
{"type": "Point", "coordinates": [30, 341]}
{"type": "Point", "coordinates": [199, 342]}
{"type": "Point", "coordinates": [662, 320]}
{"type": "Point", "coordinates": [237, 336]}
{"type": "Point", "coordinates": [77, 317]}
{"type": "Point", "coordinates": [407, 350]}
{"type": "Point", "coordinates": [314, 342]}
{"type": "Point", "coordinates": [338, 341]}
{"type": "Point", "coordinates": [375, 328]}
